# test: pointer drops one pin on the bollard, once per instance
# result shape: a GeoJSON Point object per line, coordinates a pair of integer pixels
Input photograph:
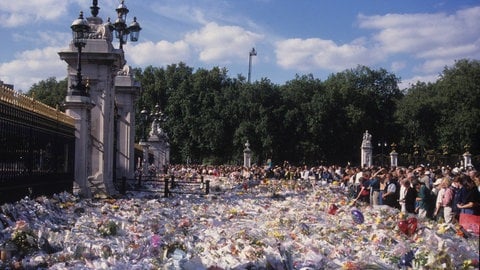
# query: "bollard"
{"type": "Point", "coordinates": [139, 179]}
{"type": "Point", "coordinates": [172, 184]}
{"type": "Point", "coordinates": [207, 187]}
{"type": "Point", "coordinates": [166, 191]}
{"type": "Point", "coordinates": [123, 185]}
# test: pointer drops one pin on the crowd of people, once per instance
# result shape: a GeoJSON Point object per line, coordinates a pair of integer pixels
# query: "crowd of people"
{"type": "Point", "coordinates": [441, 194]}
{"type": "Point", "coordinates": [438, 193]}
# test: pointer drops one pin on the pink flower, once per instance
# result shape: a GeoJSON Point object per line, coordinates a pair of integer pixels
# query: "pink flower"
{"type": "Point", "coordinates": [155, 240]}
{"type": "Point", "coordinates": [184, 222]}
{"type": "Point", "coordinates": [22, 226]}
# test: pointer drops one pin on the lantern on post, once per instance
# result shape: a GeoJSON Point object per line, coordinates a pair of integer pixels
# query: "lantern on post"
{"type": "Point", "coordinates": [120, 26]}
{"type": "Point", "coordinates": [80, 31]}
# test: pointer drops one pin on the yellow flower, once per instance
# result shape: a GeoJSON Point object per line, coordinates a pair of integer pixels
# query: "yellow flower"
{"type": "Point", "coordinates": [276, 234]}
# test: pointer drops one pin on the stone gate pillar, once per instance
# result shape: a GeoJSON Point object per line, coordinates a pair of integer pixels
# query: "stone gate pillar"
{"type": "Point", "coordinates": [467, 158]}
{"type": "Point", "coordinates": [79, 108]}
{"type": "Point", "coordinates": [99, 142]}
{"type": "Point", "coordinates": [127, 90]}
{"type": "Point", "coordinates": [159, 146]}
{"type": "Point", "coordinates": [247, 155]}
{"type": "Point", "coordinates": [393, 156]}
{"type": "Point", "coordinates": [366, 150]}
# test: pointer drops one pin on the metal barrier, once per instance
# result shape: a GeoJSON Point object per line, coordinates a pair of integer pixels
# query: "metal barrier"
{"type": "Point", "coordinates": [37, 145]}
{"type": "Point", "coordinates": [169, 185]}
{"type": "Point", "coordinates": [187, 187]}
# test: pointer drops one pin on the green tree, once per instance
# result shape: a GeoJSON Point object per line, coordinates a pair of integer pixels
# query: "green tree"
{"type": "Point", "coordinates": [459, 105]}
{"type": "Point", "coordinates": [356, 100]}
{"type": "Point", "coordinates": [254, 118]}
{"type": "Point", "coordinates": [211, 116]}
{"type": "Point", "coordinates": [50, 92]}
{"type": "Point", "coordinates": [299, 119]}
{"type": "Point", "coordinates": [443, 113]}
{"type": "Point", "coordinates": [419, 114]}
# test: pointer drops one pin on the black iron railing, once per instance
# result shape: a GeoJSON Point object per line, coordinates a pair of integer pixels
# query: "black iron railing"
{"type": "Point", "coordinates": [37, 145]}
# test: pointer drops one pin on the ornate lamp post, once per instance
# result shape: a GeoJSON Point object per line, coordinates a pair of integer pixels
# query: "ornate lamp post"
{"type": "Point", "coordinates": [382, 145]}
{"type": "Point", "coordinates": [144, 144]}
{"type": "Point", "coordinates": [416, 153]}
{"type": "Point", "coordinates": [144, 118]}
{"type": "Point", "coordinates": [80, 31]}
{"type": "Point", "coordinates": [252, 53]}
{"type": "Point", "coordinates": [120, 26]}
{"type": "Point", "coordinates": [158, 115]}
{"type": "Point", "coordinates": [444, 154]}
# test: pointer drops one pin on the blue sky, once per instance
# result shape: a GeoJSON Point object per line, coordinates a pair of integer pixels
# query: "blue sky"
{"type": "Point", "coordinates": [414, 39]}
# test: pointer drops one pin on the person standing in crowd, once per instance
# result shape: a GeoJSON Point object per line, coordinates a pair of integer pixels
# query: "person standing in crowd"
{"type": "Point", "coordinates": [457, 184]}
{"type": "Point", "coordinates": [374, 187]}
{"type": "Point", "coordinates": [407, 197]}
{"type": "Point", "coordinates": [475, 175]}
{"type": "Point", "coordinates": [358, 176]}
{"type": "Point", "coordinates": [289, 173]}
{"type": "Point", "coordinates": [469, 197]}
{"type": "Point", "coordinates": [410, 197]}
{"type": "Point", "coordinates": [404, 185]}
{"type": "Point", "coordinates": [389, 197]}
{"type": "Point", "coordinates": [442, 187]}
{"type": "Point", "coordinates": [364, 189]}
{"type": "Point", "coordinates": [305, 173]}
{"type": "Point", "coordinates": [438, 177]}
{"type": "Point", "coordinates": [424, 176]}
{"type": "Point", "coordinates": [422, 199]}
{"type": "Point", "coordinates": [297, 175]}
{"type": "Point", "coordinates": [326, 176]}
{"type": "Point", "coordinates": [447, 202]}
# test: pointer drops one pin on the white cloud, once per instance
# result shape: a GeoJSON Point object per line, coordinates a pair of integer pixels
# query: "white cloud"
{"type": "Point", "coordinates": [407, 83]}
{"type": "Point", "coordinates": [21, 12]}
{"type": "Point", "coordinates": [436, 39]}
{"type": "Point", "coordinates": [470, 49]}
{"type": "Point", "coordinates": [160, 53]}
{"type": "Point", "coordinates": [433, 40]}
{"type": "Point", "coordinates": [33, 66]}
{"type": "Point", "coordinates": [314, 53]}
{"type": "Point", "coordinates": [44, 38]}
{"type": "Point", "coordinates": [420, 43]}
{"type": "Point", "coordinates": [434, 65]}
{"type": "Point", "coordinates": [398, 65]}
{"type": "Point", "coordinates": [181, 13]}
{"type": "Point", "coordinates": [221, 44]}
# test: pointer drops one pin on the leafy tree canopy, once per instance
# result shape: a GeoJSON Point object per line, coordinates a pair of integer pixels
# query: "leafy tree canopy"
{"type": "Point", "coordinates": [306, 120]}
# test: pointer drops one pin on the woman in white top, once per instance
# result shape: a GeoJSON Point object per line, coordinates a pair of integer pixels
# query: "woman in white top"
{"type": "Point", "coordinates": [442, 187]}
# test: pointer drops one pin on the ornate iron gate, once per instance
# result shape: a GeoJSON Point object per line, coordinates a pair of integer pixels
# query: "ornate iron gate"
{"type": "Point", "coordinates": [37, 145]}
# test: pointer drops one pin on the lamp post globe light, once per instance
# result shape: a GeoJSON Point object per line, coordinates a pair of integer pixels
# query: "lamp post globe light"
{"type": "Point", "coordinates": [159, 115]}
{"type": "Point", "coordinates": [120, 26]}
{"type": "Point", "coordinates": [80, 31]}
